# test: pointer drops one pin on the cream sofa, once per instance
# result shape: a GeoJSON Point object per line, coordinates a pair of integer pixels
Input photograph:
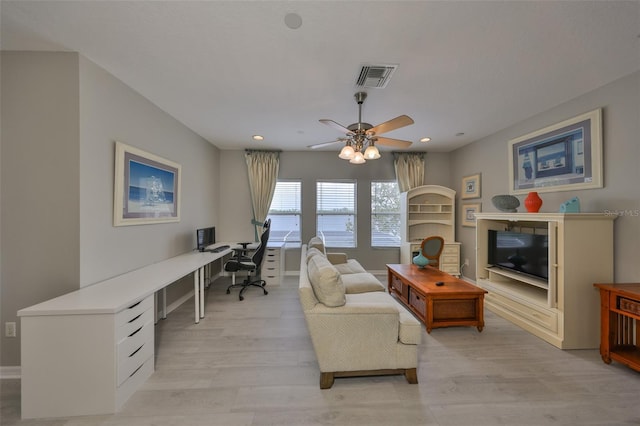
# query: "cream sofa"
{"type": "Point", "coordinates": [356, 327]}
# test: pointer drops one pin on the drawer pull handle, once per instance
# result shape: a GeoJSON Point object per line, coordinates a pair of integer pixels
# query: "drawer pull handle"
{"type": "Point", "coordinates": [133, 319]}
{"type": "Point", "coordinates": [135, 332]}
{"type": "Point", "coordinates": [136, 370]}
{"type": "Point", "coordinates": [136, 351]}
{"type": "Point", "coordinates": [134, 305]}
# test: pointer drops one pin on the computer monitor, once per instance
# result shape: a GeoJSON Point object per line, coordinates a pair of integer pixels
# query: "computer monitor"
{"type": "Point", "coordinates": [205, 237]}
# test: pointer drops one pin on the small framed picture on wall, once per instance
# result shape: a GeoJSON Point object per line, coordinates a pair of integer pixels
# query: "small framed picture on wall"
{"type": "Point", "coordinates": [471, 186]}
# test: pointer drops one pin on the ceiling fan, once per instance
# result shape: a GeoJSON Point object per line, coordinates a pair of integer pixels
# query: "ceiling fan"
{"type": "Point", "coordinates": [359, 136]}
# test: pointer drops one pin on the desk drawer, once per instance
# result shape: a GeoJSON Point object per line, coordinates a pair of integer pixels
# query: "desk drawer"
{"type": "Point", "coordinates": [134, 351]}
{"type": "Point", "coordinates": [130, 314]}
{"type": "Point", "coordinates": [135, 323]}
{"type": "Point", "coordinates": [451, 249]}
{"type": "Point", "coordinates": [418, 302]}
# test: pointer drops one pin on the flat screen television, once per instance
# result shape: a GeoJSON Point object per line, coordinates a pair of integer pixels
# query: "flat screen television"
{"type": "Point", "coordinates": [205, 237]}
{"type": "Point", "coordinates": [523, 253]}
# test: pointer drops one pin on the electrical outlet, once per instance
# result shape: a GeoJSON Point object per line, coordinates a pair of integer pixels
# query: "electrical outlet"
{"type": "Point", "coordinates": [10, 329]}
{"type": "Point", "coordinates": [466, 262]}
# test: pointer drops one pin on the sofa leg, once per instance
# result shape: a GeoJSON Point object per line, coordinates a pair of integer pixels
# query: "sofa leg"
{"type": "Point", "coordinates": [411, 375]}
{"type": "Point", "coordinates": [326, 380]}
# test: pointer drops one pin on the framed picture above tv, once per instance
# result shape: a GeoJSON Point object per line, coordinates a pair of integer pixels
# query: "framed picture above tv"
{"type": "Point", "coordinates": [146, 188]}
{"type": "Point", "coordinates": [562, 157]}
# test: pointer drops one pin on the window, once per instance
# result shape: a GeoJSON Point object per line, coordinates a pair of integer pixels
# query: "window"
{"type": "Point", "coordinates": [336, 213]}
{"type": "Point", "coordinates": [385, 214]}
{"type": "Point", "coordinates": [285, 212]}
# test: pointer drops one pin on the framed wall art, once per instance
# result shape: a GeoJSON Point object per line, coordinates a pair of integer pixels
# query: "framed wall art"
{"type": "Point", "coordinates": [469, 213]}
{"type": "Point", "coordinates": [471, 186]}
{"type": "Point", "coordinates": [147, 188]}
{"type": "Point", "coordinates": [562, 157]}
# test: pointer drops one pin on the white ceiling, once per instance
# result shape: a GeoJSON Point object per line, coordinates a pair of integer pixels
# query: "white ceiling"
{"type": "Point", "coordinates": [232, 69]}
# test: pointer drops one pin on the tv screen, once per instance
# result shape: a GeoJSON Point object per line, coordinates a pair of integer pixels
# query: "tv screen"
{"type": "Point", "coordinates": [519, 252]}
{"type": "Point", "coordinates": [205, 237]}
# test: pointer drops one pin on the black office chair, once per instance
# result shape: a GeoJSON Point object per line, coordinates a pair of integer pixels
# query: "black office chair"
{"type": "Point", "coordinates": [252, 266]}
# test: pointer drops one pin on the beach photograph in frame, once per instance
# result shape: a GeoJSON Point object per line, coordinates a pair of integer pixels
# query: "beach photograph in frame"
{"type": "Point", "coordinates": [471, 186]}
{"type": "Point", "coordinates": [562, 157]}
{"type": "Point", "coordinates": [147, 188]}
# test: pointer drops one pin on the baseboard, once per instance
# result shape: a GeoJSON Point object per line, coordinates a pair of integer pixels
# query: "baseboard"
{"type": "Point", "coordinates": [10, 372]}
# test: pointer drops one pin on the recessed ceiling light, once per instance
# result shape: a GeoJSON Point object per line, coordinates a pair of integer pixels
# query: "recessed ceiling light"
{"type": "Point", "coordinates": [257, 137]}
{"type": "Point", "coordinates": [293, 20]}
{"type": "Point", "coordinates": [427, 139]}
{"type": "Point", "coordinates": [460, 134]}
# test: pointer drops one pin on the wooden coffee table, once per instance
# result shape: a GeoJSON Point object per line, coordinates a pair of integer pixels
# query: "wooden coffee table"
{"type": "Point", "coordinates": [455, 303]}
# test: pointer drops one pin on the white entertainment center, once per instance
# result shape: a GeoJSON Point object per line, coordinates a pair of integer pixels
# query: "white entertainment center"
{"type": "Point", "coordinates": [564, 309]}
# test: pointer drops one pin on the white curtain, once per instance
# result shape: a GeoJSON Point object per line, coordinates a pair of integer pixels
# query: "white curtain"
{"type": "Point", "coordinates": [409, 169]}
{"type": "Point", "coordinates": [262, 167]}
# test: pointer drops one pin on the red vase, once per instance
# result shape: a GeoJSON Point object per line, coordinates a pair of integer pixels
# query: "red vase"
{"type": "Point", "coordinates": [533, 202]}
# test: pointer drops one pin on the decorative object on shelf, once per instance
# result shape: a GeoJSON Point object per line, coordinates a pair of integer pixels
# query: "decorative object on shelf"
{"type": "Point", "coordinates": [420, 261]}
{"type": "Point", "coordinates": [469, 214]}
{"type": "Point", "coordinates": [564, 156]}
{"type": "Point", "coordinates": [471, 186]}
{"type": "Point", "coordinates": [506, 203]}
{"type": "Point", "coordinates": [570, 206]}
{"type": "Point", "coordinates": [533, 202]}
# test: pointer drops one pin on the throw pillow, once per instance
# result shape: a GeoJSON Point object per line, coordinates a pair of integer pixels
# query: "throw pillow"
{"type": "Point", "coordinates": [325, 281]}
{"type": "Point", "coordinates": [316, 242]}
{"type": "Point", "coordinates": [313, 252]}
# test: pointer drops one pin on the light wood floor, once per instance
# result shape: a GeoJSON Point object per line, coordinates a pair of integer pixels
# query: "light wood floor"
{"type": "Point", "coordinates": [252, 363]}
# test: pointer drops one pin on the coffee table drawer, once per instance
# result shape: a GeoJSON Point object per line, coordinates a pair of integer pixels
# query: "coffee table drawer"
{"type": "Point", "coordinates": [399, 287]}
{"type": "Point", "coordinates": [418, 302]}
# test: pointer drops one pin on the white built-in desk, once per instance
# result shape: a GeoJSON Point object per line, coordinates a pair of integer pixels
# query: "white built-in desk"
{"type": "Point", "coordinates": [87, 352]}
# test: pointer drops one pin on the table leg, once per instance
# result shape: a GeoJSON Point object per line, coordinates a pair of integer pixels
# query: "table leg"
{"type": "Point", "coordinates": [164, 304]}
{"type": "Point", "coordinates": [196, 295]}
{"type": "Point", "coordinates": [201, 292]}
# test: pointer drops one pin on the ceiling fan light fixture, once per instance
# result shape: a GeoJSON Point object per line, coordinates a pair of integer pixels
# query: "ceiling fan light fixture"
{"type": "Point", "coordinates": [358, 158]}
{"type": "Point", "coordinates": [347, 152]}
{"type": "Point", "coordinates": [371, 153]}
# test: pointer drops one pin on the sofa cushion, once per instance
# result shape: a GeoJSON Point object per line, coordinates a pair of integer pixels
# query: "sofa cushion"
{"type": "Point", "coordinates": [316, 242]}
{"type": "Point", "coordinates": [313, 252]}
{"type": "Point", "coordinates": [361, 282]}
{"type": "Point", "coordinates": [325, 281]}
{"type": "Point", "coordinates": [351, 266]}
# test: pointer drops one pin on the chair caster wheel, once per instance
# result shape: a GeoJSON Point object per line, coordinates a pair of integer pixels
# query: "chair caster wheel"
{"type": "Point", "coordinates": [228, 291]}
{"type": "Point", "coordinates": [241, 298]}
{"type": "Point", "coordinates": [266, 292]}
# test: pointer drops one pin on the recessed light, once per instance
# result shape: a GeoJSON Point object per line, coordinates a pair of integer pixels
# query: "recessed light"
{"type": "Point", "coordinates": [427, 139]}
{"type": "Point", "coordinates": [257, 138]}
{"type": "Point", "coordinates": [293, 20]}
{"type": "Point", "coordinates": [460, 134]}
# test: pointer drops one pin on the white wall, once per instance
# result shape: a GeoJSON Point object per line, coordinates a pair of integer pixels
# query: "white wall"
{"type": "Point", "coordinates": [60, 117]}
{"type": "Point", "coordinates": [110, 111]}
{"type": "Point", "coordinates": [620, 101]}
{"type": "Point", "coordinates": [309, 166]}
{"type": "Point", "coordinates": [40, 243]}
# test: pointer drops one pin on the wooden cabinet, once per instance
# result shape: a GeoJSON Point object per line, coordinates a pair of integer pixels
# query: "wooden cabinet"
{"type": "Point", "coordinates": [425, 211]}
{"type": "Point", "coordinates": [563, 309]}
{"type": "Point", "coordinates": [620, 323]}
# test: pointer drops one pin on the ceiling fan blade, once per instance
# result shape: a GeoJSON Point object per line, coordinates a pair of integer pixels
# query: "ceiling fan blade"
{"type": "Point", "coordinates": [339, 127]}
{"type": "Point", "coordinates": [392, 142]}
{"type": "Point", "coordinates": [394, 123]}
{"type": "Point", "coordinates": [323, 144]}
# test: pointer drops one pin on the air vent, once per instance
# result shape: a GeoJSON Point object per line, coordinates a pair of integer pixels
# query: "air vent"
{"type": "Point", "coordinates": [375, 76]}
